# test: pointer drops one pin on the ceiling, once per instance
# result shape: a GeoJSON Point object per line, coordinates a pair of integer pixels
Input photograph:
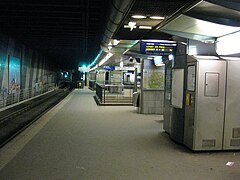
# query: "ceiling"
{"type": "Point", "coordinates": [163, 8]}
{"type": "Point", "coordinates": [70, 32]}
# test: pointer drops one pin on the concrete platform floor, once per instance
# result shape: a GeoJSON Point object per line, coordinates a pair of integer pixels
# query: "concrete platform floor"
{"type": "Point", "coordinates": [79, 140]}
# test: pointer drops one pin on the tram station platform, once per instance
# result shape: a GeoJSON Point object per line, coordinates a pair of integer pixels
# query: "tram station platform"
{"type": "Point", "coordinates": [78, 139]}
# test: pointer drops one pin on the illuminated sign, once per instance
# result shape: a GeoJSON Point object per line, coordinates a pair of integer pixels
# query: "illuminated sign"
{"type": "Point", "coordinates": [111, 68]}
{"type": "Point", "coordinates": [157, 48]}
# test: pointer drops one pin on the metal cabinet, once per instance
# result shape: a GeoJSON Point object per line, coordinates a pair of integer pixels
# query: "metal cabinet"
{"type": "Point", "coordinates": [232, 114]}
{"type": "Point", "coordinates": [205, 102]}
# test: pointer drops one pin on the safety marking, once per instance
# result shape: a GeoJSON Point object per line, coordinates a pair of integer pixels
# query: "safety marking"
{"type": "Point", "coordinates": [10, 150]}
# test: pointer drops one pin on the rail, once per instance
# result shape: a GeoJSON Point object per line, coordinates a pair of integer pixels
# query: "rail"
{"type": "Point", "coordinates": [9, 98]}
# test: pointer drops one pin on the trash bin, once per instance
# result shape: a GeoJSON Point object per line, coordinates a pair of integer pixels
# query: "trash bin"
{"type": "Point", "coordinates": [136, 99]}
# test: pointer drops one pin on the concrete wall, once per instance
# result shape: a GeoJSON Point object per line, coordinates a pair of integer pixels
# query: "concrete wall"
{"type": "Point", "coordinates": [152, 101]}
{"type": "Point", "coordinates": [34, 67]}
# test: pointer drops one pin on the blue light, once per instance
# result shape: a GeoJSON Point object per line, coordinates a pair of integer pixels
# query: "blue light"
{"type": "Point", "coordinates": [96, 58]}
{"type": "Point", "coordinates": [65, 75]}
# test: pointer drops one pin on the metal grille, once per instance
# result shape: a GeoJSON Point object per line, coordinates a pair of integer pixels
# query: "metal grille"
{"type": "Point", "coordinates": [208, 143]}
{"type": "Point", "coordinates": [236, 133]}
{"type": "Point", "coordinates": [235, 142]}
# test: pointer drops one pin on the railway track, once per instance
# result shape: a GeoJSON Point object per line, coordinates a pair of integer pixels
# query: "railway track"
{"type": "Point", "coordinates": [14, 120]}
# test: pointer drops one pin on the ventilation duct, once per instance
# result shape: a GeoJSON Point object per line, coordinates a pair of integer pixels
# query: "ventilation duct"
{"type": "Point", "coordinates": [119, 10]}
{"type": "Point", "coordinates": [204, 21]}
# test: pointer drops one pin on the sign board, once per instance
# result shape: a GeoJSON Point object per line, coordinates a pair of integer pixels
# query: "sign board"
{"type": "Point", "coordinates": [111, 68]}
{"type": "Point", "coordinates": [157, 48]}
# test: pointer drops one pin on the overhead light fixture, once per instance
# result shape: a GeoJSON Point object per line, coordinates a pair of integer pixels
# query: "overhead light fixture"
{"type": "Point", "coordinates": [210, 41]}
{"type": "Point", "coordinates": [121, 64]}
{"type": "Point", "coordinates": [132, 25]}
{"type": "Point", "coordinates": [96, 58]}
{"type": "Point", "coordinates": [208, 57]}
{"type": "Point", "coordinates": [145, 27]}
{"type": "Point", "coordinates": [107, 57]}
{"type": "Point", "coordinates": [138, 16]}
{"type": "Point", "coordinates": [110, 46]}
{"type": "Point", "coordinates": [229, 44]}
{"type": "Point", "coordinates": [115, 42]}
{"type": "Point", "coordinates": [157, 40]}
{"type": "Point", "coordinates": [95, 67]}
{"type": "Point", "coordinates": [126, 51]}
{"type": "Point", "coordinates": [157, 17]}
{"type": "Point", "coordinates": [231, 58]}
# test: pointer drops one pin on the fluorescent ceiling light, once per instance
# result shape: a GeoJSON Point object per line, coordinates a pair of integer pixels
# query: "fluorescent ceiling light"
{"type": "Point", "coordinates": [157, 40]}
{"type": "Point", "coordinates": [109, 48]}
{"type": "Point", "coordinates": [95, 60]}
{"type": "Point", "coordinates": [121, 64]}
{"type": "Point", "coordinates": [132, 25]}
{"type": "Point", "coordinates": [95, 67]}
{"type": "Point", "coordinates": [207, 57]}
{"type": "Point", "coordinates": [131, 28]}
{"type": "Point", "coordinates": [115, 42]}
{"type": "Point", "coordinates": [231, 58]}
{"type": "Point", "coordinates": [145, 27]}
{"type": "Point", "coordinates": [126, 51]}
{"type": "Point", "coordinates": [210, 41]}
{"type": "Point", "coordinates": [107, 57]}
{"type": "Point", "coordinates": [228, 44]}
{"type": "Point", "coordinates": [138, 16]}
{"type": "Point", "coordinates": [157, 17]}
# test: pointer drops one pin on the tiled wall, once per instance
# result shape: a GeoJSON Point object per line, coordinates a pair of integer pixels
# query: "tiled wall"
{"type": "Point", "coordinates": [152, 101]}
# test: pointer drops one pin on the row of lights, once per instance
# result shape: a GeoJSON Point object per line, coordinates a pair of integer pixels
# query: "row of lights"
{"type": "Point", "coordinates": [105, 59]}
{"type": "Point", "coordinates": [132, 25]}
{"type": "Point", "coordinates": [151, 17]}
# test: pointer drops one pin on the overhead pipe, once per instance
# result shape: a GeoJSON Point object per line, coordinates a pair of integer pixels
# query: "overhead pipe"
{"type": "Point", "coordinates": [118, 13]}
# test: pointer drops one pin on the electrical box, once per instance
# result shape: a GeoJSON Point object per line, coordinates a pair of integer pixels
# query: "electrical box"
{"type": "Point", "coordinates": [232, 117]}
{"type": "Point", "coordinates": [205, 102]}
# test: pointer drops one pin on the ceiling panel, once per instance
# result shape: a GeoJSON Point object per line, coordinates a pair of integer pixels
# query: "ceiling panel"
{"type": "Point", "coordinates": [149, 8]}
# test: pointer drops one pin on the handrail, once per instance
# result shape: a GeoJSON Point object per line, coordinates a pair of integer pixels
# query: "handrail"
{"type": "Point", "coordinates": [114, 93]}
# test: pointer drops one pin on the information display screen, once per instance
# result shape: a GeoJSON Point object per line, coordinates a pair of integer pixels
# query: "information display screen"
{"type": "Point", "coordinates": [157, 48]}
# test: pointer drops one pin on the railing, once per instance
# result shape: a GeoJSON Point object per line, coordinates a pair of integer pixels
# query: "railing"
{"type": "Point", "coordinates": [9, 98]}
{"type": "Point", "coordinates": [99, 91]}
{"type": "Point", "coordinates": [92, 84]}
{"type": "Point", "coordinates": [114, 94]}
